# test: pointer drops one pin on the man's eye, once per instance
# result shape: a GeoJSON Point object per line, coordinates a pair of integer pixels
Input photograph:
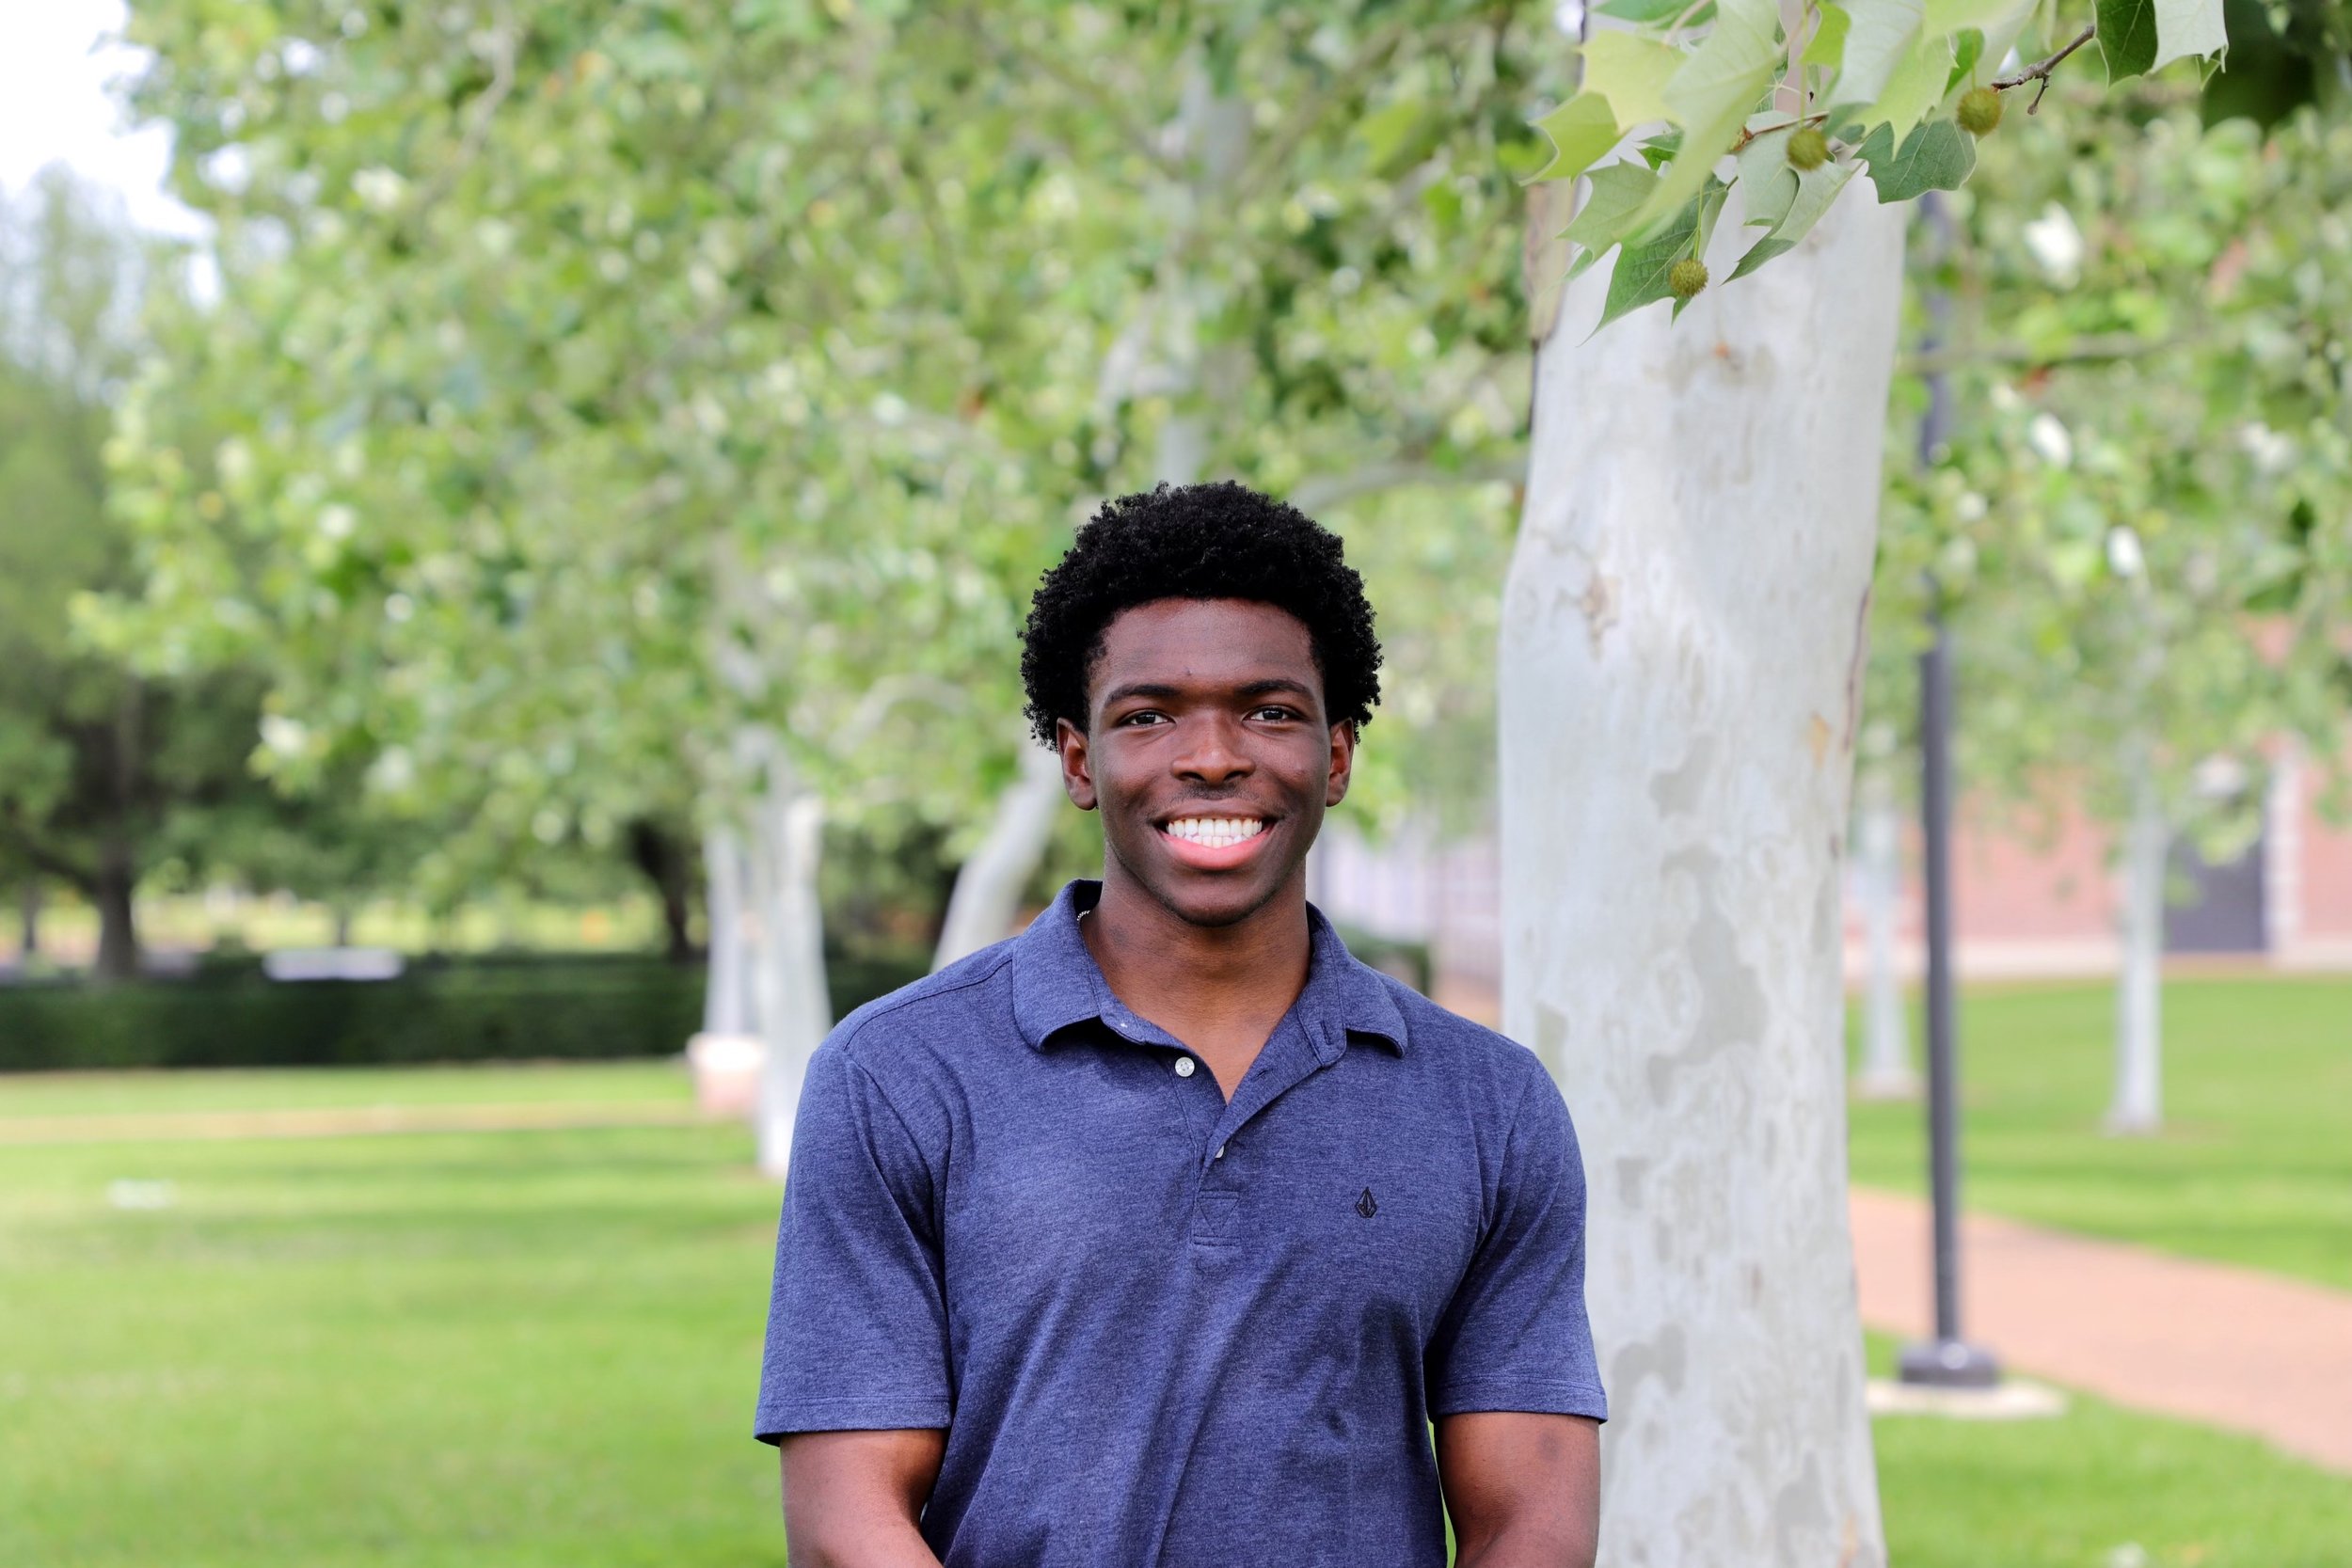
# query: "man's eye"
{"type": "Point", "coordinates": [1145, 716]}
{"type": "Point", "coordinates": [1275, 710]}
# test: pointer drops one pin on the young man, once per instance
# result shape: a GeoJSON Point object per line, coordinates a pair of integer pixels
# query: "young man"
{"type": "Point", "coordinates": [1159, 1234]}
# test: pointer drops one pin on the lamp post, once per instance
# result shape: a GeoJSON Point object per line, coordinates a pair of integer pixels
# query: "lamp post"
{"type": "Point", "coordinates": [1947, 1360]}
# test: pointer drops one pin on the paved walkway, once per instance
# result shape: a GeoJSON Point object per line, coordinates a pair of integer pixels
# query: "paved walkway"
{"type": "Point", "coordinates": [2226, 1346]}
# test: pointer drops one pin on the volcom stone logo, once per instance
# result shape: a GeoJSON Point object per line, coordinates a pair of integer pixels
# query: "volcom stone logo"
{"type": "Point", "coordinates": [1366, 1206]}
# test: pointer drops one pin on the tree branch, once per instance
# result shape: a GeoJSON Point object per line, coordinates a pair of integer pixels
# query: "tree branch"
{"type": "Point", "coordinates": [2040, 71]}
{"type": "Point", "coordinates": [2090, 348]}
{"type": "Point", "coordinates": [1312, 495]}
{"type": "Point", "coordinates": [1105, 102]}
{"type": "Point", "coordinates": [478, 114]}
{"type": "Point", "coordinates": [31, 851]}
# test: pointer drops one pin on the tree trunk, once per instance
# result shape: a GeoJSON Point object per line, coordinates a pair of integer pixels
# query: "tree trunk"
{"type": "Point", "coordinates": [1681, 663]}
{"type": "Point", "coordinates": [789, 949]}
{"type": "Point", "coordinates": [28, 922]}
{"type": "Point", "coordinates": [665, 862]}
{"type": "Point", "coordinates": [728, 1008]}
{"type": "Point", "coordinates": [111, 890]}
{"type": "Point", "coordinates": [1886, 1070]}
{"type": "Point", "coordinates": [987, 888]}
{"type": "Point", "coordinates": [2138, 1105]}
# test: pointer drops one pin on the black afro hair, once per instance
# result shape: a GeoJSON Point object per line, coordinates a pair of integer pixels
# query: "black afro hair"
{"type": "Point", "coordinates": [1217, 541]}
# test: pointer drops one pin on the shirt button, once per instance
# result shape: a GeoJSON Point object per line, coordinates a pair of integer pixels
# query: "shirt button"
{"type": "Point", "coordinates": [1184, 1066]}
{"type": "Point", "coordinates": [1220, 1151]}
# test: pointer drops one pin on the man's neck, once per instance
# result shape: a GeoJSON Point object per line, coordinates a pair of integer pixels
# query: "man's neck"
{"type": "Point", "coordinates": [1221, 989]}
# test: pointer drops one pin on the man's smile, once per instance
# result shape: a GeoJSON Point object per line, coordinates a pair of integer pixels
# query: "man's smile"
{"type": "Point", "coordinates": [1215, 842]}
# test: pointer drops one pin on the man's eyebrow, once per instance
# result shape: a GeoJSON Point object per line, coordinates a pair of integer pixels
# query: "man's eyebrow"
{"type": "Point", "coordinates": [1159, 691]}
{"type": "Point", "coordinates": [1140, 688]}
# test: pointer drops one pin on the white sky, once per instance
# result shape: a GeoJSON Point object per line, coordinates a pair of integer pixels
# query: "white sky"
{"type": "Point", "coordinates": [55, 106]}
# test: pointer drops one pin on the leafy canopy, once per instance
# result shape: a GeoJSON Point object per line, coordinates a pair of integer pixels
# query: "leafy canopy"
{"type": "Point", "coordinates": [1902, 87]}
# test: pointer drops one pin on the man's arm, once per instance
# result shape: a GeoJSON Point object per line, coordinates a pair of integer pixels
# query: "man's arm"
{"type": "Point", "coordinates": [851, 1499]}
{"type": "Point", "coordinates": [1523, 1490]}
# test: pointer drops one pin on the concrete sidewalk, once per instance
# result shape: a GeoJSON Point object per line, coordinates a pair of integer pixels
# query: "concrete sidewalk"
{"type": "Point", "coordinates": [2226, 1346]}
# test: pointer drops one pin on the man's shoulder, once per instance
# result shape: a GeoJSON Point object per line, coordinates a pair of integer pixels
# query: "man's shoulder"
{"type": "Point", "coordinates": [966, 999]}
{"type": "Point", "coordinates": [1464, 1043]}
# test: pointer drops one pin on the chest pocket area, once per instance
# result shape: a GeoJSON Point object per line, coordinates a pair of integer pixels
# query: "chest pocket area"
{"type": "Point", "coordinates": [1087, 1189]}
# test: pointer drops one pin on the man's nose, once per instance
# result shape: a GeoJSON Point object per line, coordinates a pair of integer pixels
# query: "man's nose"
{"type": "Point", "coordinates": [1213, 752]}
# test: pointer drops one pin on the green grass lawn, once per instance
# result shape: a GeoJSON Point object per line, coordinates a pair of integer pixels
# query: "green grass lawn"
{"type": "Point", "coordinates": [62, 1094]}
{"type": "Point", "coordinates": [540, 1347]}
{"type": "Point", "coordinates": [512, 1349]}
{"type": "Point", "coordinates": [2254, 1167]}
{"type": "Point", "coordinates": [2082, 1490]}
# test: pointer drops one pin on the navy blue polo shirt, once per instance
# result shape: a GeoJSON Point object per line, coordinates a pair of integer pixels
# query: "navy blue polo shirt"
{"type": "Point", "coordinates": [1161, 1328]}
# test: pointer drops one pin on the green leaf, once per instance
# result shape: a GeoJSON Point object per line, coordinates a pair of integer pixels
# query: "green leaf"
{"type": "Point", "coordinates": [1917, 87]}
{"type": "Point", "coordinates": [1641, 11]}
{"type": "Point", "coordinates": [1710, 97]}
{"type": "Point", "coordinates": [1732, 66]}
{"type": "Point", "coordinates": [1658, 151]}
{"type": "Point", "coordinates": [1630, 71]}
{"type": "Point", "coordinates": [1828, 44]}
{"type": "Point", "coordinates": [1640, 274]}
{"type": "Point", "coordinates": [2264, 78]}
{"type": "Point", "coordinates": [1617, 193]}
{"type": "Point", "coordinates": [1816, 189]}
{"type": "Point", "coordinates": [1692, 166]}
{"type": "Point", "coordinates": [1938, 156]}
{"type": "Point", "coordinates": [1951, 16]}
{"type": "Point", "coordinates": [1710, 208]}
{"type": "Point", "coordinates": [1967, 49]}
{"type": "Point", "coordinates": [1878, 34]}
{"type": "Point", "coordinates": [2127, 37]}
{"type": "Point", "coordinates": [1397, 136]}
{"type": "Point", "coordinates": [2189, 27]}
{"type": "Point", "coordinates": [1581, 129]}
{"type": "Point", "coordinates": [1766, 183]}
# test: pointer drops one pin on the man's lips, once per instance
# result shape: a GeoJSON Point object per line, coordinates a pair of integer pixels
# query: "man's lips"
{"type": "Point", "coordinates": [1214, 842]}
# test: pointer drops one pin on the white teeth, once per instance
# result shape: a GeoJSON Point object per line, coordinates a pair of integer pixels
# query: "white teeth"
{"type": "Point", "coordinates": [1214, 833]}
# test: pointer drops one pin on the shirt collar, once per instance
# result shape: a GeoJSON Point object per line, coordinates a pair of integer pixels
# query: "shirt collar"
{"type": "Point", "coordinates": [1057, 983]}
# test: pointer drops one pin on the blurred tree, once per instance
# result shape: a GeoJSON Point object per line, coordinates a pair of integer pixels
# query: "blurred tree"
{"type": "Point", "coordinates": [1274, 235]}
{"type": "Point", "coordinates": [597, 442]}
{"type": "Point", "coordinates": [2144, 521]}
{"type": "Point", "coordinates": [103, 772]}
{"type": "Point", "coordinates": [616, 412]}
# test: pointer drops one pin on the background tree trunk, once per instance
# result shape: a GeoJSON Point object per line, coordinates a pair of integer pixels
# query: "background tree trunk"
{"type": "Point", "coordinates": [28, 921]}
{"type": "Point", "coordinates": [667, 863]}
{"type": "Point", "coordinates": [1681, 663]}
{"type": "Point", "coordinates": [789, 949]}
{"type": "Point", "coordinates": [115, 883]}
{"type": "Point", "coordinates": [726, 994]}
{"type": "Point", "coordinates": [2138, 1105]}
{"type": "Point", "coordinates": [1886, 1070]}
{"type": "Point", "coordinates": [112, 891]}
{"type": "Point", "coordinates": [987, 888]}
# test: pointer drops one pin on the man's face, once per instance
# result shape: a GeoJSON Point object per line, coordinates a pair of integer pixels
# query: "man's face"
{"type": "Point", "coordinates": [1208, 753]}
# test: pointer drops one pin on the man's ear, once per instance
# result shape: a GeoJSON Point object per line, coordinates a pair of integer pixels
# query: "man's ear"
{"type": "Point", "coordinates": [1342, 763]}
{"type": "Point", "coordinates": [1077, 770]}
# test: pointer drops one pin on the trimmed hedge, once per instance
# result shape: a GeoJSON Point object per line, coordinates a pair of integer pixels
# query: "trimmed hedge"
{"type": "Point", "coordinates": [440, 1011]}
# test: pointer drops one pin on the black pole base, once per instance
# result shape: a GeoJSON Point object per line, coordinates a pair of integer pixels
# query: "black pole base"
{"type": "Point", "coordinates": [1948, 1364]}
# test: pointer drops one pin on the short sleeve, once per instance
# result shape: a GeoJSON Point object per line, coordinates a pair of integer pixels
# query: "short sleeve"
{"type": "Point", "coordinates": [857, 1322]}
{"type": "Point", "coordinates": [1515, 1335]}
